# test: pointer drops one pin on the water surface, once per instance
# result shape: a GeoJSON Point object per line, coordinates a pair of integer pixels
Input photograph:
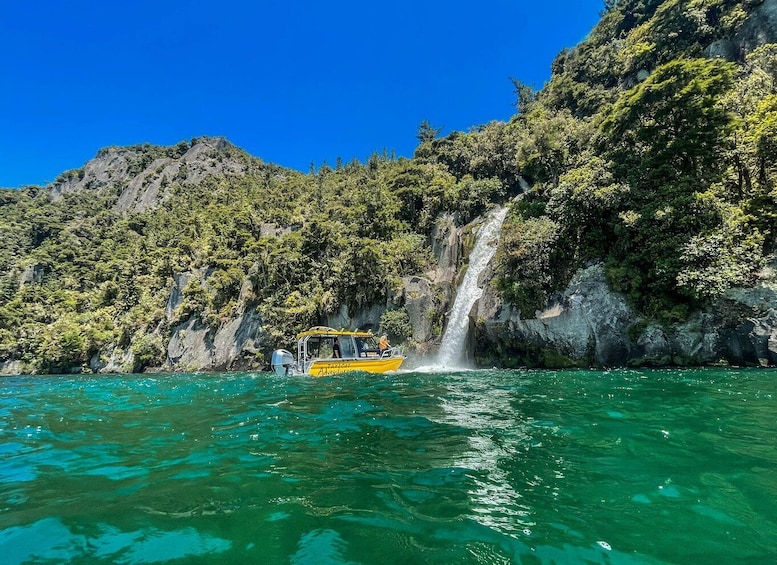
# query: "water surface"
{"type": "Point", "coordinates": [470, 467]}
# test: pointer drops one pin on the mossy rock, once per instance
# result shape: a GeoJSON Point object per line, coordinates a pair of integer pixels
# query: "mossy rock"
{"type": "Point", "coordinates": [552, 359]}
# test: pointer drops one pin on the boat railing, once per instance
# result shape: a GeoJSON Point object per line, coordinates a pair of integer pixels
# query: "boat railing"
{"type": "Point", "coordinates": [395, 351]}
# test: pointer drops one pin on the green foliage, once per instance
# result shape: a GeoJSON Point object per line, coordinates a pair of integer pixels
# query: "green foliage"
{"type": "Point", "coordinates": [62, 346]}
{"type": "Point", "coordinates": [550, 144]}
{"type": "Point", "coordinates": [527, 261]}
{"type": "Point", "coordinates": [396, 325]}
{"type": "Point", "coordinates": [665, 139]}
{"type": "Point", "coordinates": [675, 190]}
{"type": "Point", "coordinates": [579, 97]}
{"type": "Point", "coordinates": [148, 351]}
{"type": "Point", "coordinates": [670, 125]}
{"type": "Point", "coordinates": [525, 95]}
{"type": "Point", "coordinates": [679, 29]}
{"type": "Point", "coordinates": [422, 191]}
{"type": "Point", "coordinates": [487, 152]}
{"type": "Point", "coordinates": [639, 152]}
{"type": "Point", "coordinates": [585, 204]}
{"type": "Point", "coordinates": [97, 263]}
{"type": "Point", "coordinates": [474, 196]}
{"type": "Point", "coordinates": [225, 286]}
{"type": "Point", "coordinates": [427, 133]}
{"type": "Point", "coordinates": [762, 137]}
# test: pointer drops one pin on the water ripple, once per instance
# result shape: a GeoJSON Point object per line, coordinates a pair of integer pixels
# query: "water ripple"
{"type": "Point", "coordinates": [467, 467]}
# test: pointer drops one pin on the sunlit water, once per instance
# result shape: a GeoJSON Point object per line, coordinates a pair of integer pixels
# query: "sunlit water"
{"type": "Point", "coordinates": [470, 467]}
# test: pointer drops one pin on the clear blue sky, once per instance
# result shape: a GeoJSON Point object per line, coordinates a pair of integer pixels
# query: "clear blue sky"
{"type": "Point", "coordinates": [291, 82]}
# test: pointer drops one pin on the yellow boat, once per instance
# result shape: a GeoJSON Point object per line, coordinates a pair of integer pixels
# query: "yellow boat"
{"type": "Point", "coordinates": [323, 351]}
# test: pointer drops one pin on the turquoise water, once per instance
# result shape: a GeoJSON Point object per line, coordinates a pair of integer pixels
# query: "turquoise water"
{"type": "Point", "coordinates": [472, 467]}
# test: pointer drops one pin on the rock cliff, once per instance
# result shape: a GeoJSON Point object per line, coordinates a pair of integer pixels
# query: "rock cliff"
{"type": "Point", "coordinates": [142, 176]}
{"type": "Point", "coordinates": [585, 324]}
{"type": "Point", "coordinates": [588, 324]}
{"type": "Point", "coordinates": [236, 344]}
{"type": "Point", "coordinates": [759, 28]}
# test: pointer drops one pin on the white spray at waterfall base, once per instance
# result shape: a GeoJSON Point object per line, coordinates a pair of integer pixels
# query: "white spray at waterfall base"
{"type": "Point", "coordinates": [452, 353]}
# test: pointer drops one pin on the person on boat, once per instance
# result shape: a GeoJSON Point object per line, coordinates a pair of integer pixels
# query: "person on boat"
{"type": "Point", "coordinates": [336, 348]}
{"type": "Point", "coordinates": [383, 345]}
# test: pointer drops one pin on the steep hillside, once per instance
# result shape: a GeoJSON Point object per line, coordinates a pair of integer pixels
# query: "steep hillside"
{"type": "Point", "coordinates": [113, 268]}
{"type": "Point", "coordinates": [143, 176]}
{"type": "Point", "coordinates": [650, 152]}
{"type": "Point", "coordinates": [646, 168]}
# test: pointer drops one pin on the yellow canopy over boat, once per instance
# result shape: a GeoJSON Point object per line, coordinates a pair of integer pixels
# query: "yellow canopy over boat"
{"type": "Point", "coordinates": [325, 331]}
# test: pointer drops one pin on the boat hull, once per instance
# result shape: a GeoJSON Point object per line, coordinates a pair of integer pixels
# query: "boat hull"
{"type": "Point", "coordinates": [327, 367]}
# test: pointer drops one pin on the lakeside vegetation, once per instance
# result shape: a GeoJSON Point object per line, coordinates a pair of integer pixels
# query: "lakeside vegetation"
{"type": "Point", "coordinates": [642, 151]}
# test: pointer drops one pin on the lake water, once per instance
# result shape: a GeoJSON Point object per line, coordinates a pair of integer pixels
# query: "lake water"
{"type": "Point", "coordinates": [625, 466]}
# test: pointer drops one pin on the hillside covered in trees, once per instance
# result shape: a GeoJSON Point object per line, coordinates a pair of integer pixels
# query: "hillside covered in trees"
{"type": "Point", "coordinates": [652, 151]}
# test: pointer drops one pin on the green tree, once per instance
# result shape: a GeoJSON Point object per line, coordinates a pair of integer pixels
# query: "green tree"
{"type": "Point", "coordinates": [665, 139]}
{"type": "Point", "coordinates": [525, 95]}
{"type": "Point", "coordinates": [427, 133]}
{"type": "Point", "coordinates": [396, 325]}
{"type": "Point", "coordinates": [526, 260]}
{"type": "Point", "coordinates": [671, 126]}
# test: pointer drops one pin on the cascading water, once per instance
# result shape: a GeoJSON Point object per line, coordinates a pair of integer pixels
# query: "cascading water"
{"type": "Point", "coordinates": [452, 349]}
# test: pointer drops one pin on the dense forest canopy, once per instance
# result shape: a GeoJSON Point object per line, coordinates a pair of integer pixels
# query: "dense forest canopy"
{"type": "Point", "coordinates": [652, 149]}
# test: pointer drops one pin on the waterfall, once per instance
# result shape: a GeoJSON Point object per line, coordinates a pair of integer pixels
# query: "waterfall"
{"type": "Point", "coordinates": [454, 340]}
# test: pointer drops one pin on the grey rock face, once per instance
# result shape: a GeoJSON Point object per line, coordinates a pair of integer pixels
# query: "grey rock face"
{"type": "Point", "coordinates": [446, 247]}
{"type": "Point", "coordinates": [588, 324]}
{"type": "Point", "coordinates": [749, 325]}
{"type": "Point", "coordinates": [143, 182]}
{"type": "Point", "coordinates": [585, 323]}
{"type": "Point", "coordinates": [419, 300]}
{"type": "Point", "coordinates": [112, 360]}
{"type": "Point", "coordinates": [759, 29]}
{"type": "Point", "coordinates": [11, 368]}
{"type": "Point", "coordinates": [191, 346]}
{"type": "Point", "coordinates": [32, 274]}
{"type": "Point", "coordinates": [366, 318]}
{"type": "Point", "coordinates": [236, 344]}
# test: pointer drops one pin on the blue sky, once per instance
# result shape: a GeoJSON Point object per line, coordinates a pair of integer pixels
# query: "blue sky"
{"type": "Point", "coordinates": [291, 82]}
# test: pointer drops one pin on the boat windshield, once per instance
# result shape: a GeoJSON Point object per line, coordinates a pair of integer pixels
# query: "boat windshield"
{"type": "Point", "coordinates": [347, 349]}
{"type": "Point", "coordinates": [337, 345]}
{"type": "Point", "coordinates": [320, 347]}
{"type": "Point", "coordinates": [369, 342]}
{"type": "Point", "coordinates": [367, 347]}
{"type": "Point", "coordinates": [330, 347]}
